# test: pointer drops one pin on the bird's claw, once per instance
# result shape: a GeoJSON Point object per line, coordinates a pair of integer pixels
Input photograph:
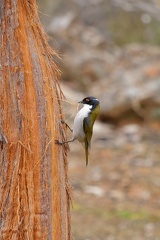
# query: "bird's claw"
{"type": "Point", "coordinates": [58, 142]}
{"type": "Point", "coordinates": [62, 121]}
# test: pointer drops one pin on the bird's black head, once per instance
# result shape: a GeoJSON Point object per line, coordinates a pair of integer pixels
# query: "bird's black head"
{"type": "Point", "coordinates": [90, 101]}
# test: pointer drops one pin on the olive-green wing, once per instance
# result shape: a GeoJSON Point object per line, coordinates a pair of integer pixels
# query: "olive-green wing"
{"type": "Point", "coordinates": [88, 129]}
{"type": "Point", "coordinates": [89, 122]}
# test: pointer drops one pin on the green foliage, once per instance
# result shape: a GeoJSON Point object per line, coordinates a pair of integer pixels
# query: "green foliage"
{"type": "Point", "coordinates": [121, 214]}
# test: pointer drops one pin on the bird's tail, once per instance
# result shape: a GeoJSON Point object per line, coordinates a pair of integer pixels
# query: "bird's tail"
{"type": "Point", "coordinates": [86, 151]}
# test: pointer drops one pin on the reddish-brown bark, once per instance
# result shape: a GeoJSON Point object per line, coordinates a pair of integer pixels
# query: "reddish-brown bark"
{"type": "Point", "coordinates": [34, 189]}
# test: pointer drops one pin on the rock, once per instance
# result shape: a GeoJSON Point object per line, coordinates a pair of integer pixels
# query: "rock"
{"type": "Point", "coordinates": [95, 190]}
{"type": "Point", "coordinates": [143, 162]}
{"type": "Point", "coordinates": [114, 176]}
{"type": "Point", "coordinates": [134, 85]}
{"type": "Point", "coordinates": [132, 133]}
{"type": "Point", "coordinates": [116, 195]}
{"type": "Point", "coordinates": [103, 134]}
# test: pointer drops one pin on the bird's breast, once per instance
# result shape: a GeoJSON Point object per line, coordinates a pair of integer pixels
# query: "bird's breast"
{"type": "Point", "coordinates": [78, 131]}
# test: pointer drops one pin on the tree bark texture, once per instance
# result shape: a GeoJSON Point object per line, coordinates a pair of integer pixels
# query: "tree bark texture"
{"type": "Point", "coordinates": [34, 188]}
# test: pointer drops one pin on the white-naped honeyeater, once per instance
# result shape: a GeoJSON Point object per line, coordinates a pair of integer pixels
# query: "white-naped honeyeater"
{"type": "Point", "coordinates": [83, 123]}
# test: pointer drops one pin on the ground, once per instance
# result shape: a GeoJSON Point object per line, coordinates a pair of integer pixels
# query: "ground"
{"type": "Point", "coordinates": [117, 196]}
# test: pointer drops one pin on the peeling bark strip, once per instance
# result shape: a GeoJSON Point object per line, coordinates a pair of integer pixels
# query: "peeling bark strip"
{"type": "Point", "coordinates": [34, 187]}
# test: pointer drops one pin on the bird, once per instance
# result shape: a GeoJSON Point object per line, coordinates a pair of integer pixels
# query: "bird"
{"type": "Point", "coordinates": [83, 123]}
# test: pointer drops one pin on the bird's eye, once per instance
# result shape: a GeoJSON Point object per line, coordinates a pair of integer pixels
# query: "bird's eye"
{"type": "Point", "coordinates": [87, 100]}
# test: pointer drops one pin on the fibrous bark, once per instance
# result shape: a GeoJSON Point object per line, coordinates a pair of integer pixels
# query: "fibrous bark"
{"type": "Point", "coordinates": [34, 188]}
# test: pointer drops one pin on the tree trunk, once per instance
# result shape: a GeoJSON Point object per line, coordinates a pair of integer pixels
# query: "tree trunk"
{"type": "Point", "coordinates": [34, 188]}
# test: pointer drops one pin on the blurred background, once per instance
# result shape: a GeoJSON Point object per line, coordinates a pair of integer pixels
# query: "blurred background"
{"type": "Point", "coordinates": [110, 49]}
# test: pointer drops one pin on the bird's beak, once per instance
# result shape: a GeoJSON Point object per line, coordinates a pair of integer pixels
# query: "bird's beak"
{"type": "Point", "coordinates": [80, 102]}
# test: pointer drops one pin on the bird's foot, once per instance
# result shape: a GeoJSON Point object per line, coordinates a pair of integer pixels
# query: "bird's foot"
{"type": "Point", "coordinates": [63, 122]}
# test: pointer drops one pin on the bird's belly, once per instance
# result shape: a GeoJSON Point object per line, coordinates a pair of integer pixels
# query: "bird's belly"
{"type": "Point", "coordinates": [78, 131]}
{"type": "Point", "coordinates": [80, 136]}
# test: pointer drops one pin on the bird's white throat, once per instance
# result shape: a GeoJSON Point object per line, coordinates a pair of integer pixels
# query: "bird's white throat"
{"type": "Point", "coordinates": [85, 110]}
